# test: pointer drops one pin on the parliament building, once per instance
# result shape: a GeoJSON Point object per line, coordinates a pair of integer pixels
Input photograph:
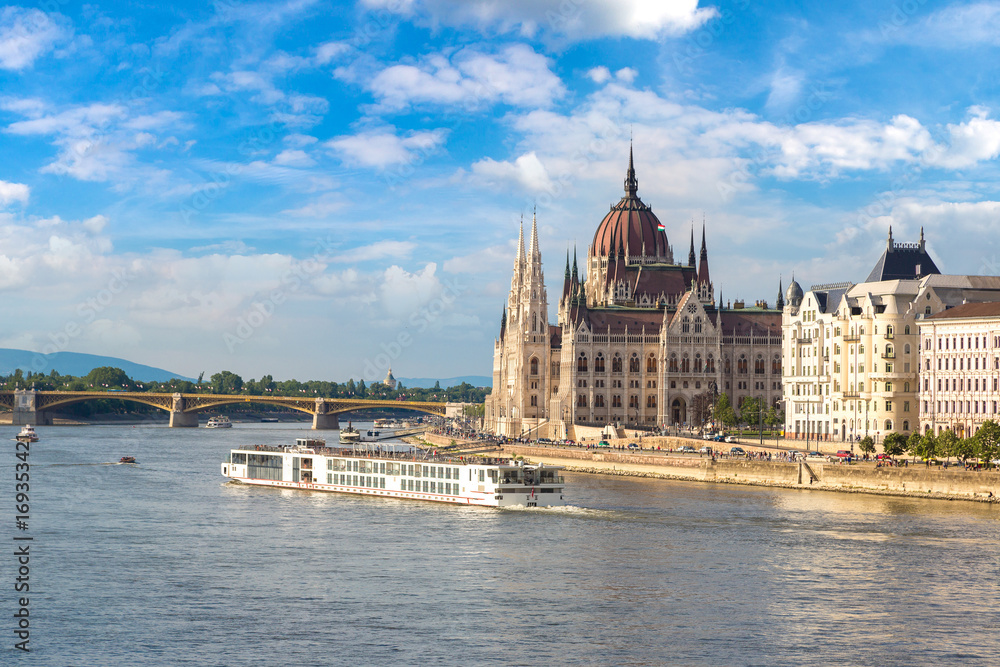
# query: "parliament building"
{"type": "Point", "coordinates": [639, 340]}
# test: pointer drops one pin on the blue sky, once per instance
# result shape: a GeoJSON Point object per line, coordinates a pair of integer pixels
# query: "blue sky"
{"type": "Point", "coordinates": [314, 189]}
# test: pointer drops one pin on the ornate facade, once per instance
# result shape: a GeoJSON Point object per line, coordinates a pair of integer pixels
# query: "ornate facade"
{"type": "Point", "coordinates": [639, 340]}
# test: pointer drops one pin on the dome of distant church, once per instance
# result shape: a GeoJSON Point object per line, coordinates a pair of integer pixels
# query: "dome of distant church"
{"type": "Point", "coordinates": [630, 225]}
{"type": "Point", "coordinates": [793, 295]}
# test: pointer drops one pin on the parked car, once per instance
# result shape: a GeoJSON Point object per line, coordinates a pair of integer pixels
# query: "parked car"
{"type": "Point", "coordinates": [719, 438]}
{"type": "Point", "coordinates": [705, 450]}
{"type": "Point", "coordinates": [603, 443]}
{"type": "Point", "coordinates": [731, 438]}
{"type": "Point", "coordinates": [815, 456]}
{"type": "Point", "coordinates": [632, 445]}
{"type": "Point", "coordinates": [687, 449]}
{"type": "Point", "coordinates": [882, 457]}
{"type": "Point", "coordinates": [737, 451]}
{"type": "Point", "coordinates": [843, 454]}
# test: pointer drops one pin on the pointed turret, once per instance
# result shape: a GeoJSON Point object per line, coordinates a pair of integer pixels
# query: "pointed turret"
{"type": "Point", "coordinates": [781, 295]}
{"type": "Point", "coordinates": [691, 252]}
{"type": "Point", "coordinates": [533, 251]}
{"type": "Point", "coordinates": [631, 184]}
{"type": "Point", "coordinates": [519, 260]}
{"type": "Point", "coordinates": [703, 264]}
{"type": "Point", "coordinates": [566, 279]}
{"type": "Point", "coordinates": [503, 323]}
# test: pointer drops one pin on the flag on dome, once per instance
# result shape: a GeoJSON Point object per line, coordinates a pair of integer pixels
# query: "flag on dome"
{"type": "Point", "coordinates": [660, 227]}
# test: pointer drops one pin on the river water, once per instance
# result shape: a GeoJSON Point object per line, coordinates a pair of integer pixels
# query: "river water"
{"type": "Point", "coordinates": [165, 563]}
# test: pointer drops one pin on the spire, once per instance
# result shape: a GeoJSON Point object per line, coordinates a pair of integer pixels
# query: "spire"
{"type": "Point", "coordinates": [703, 264]}
{"type": "Point", "coordinates": [691, 252]}
{"type": "Point", "coordinates": [533, 248]}
{"type": "Point", "coordinates": [566, 281]}
{"type": "Point", "coordinates": [519, 261]}
{"type": "Point", "coordinates": [781, 295]}
{"type": "Point", "coordinates": [631, 184]}
{"type": "Point", "coordinates": [888, 243]}
{"type": "Point", "coordinates": [503, 323]}
{"type": "Point", "coordinates": [921, 239]}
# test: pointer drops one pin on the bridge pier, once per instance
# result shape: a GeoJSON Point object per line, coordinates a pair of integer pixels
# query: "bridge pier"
{"type": "Point", "coordinates": [183, 419]}
{"type": "Point", "coordinates": [325, 422]}
{"type": "Point", "coordinates": [25, 411]}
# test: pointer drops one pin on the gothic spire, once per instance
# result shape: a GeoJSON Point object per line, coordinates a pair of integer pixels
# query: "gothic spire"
{"type": "Point", "coordinates": [519, 261]}
{"type": "Point", "coordinates": [781, 295]}
{"type": "Point", "coordinates": [631, 184]}
{"type": "Point", "coordinates": [533, 251]}
{"type": "Point", "coordinates": [703, 276]}
{"type": "Point", "coordinates": [691, 252]}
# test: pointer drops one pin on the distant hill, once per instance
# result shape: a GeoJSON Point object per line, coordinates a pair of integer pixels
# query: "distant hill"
{"type": "Point", "coordinates": [78, 364]}
{"type": "Point", "coordinates": [428, 383]}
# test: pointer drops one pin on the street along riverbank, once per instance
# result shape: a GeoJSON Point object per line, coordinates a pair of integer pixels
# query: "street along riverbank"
{"type": "Point", "coordinates": [913, 481]}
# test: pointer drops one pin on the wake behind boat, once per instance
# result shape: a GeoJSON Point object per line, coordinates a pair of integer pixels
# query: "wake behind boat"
{"type": "Point", "coordinates": [492, 482]}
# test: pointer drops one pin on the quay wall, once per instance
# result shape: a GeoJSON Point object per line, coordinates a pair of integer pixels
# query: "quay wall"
{"type": "Point", "coordinates": [952, 483]}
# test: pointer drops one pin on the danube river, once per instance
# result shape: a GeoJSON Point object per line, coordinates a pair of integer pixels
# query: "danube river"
{"type": "Point", "coordinates": [164, 563]}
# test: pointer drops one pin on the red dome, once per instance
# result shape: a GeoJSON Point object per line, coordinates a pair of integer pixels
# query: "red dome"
{"type": "Point", "coordinates": [631, 225]}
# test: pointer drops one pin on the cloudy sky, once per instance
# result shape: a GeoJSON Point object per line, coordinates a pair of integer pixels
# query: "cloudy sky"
{"type": "Point", "coordinates": [314, 189]}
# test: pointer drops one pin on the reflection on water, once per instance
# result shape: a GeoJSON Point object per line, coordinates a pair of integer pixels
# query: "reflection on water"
{"type": "Point", "coordinates": [166, 562]}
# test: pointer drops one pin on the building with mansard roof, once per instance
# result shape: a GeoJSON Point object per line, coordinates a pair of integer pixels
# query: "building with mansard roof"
{"type": "Point", "coordinates": [639, 340]}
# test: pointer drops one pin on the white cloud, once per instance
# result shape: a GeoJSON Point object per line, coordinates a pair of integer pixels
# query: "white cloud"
{"type": "Point", "coordinates": [644, 19]}
{"type": "Point", "coordinates": [403, 293]}
{"type": "Point", "coordinates": [25, 35]}
{"type": "Point", "coordinates": [974, 141]}
{"type": "Point", "coordinates": [526, 172]}
{"type": "Point", "coordinates": [599, 74]}
{"type": "Point", "coordinates": [382, 147]}
{"type": "Point", "coordinates": [96, 224]}
{"type": "Point", "coordinates": [955, 27]}
{"type": "Point", "coordinates": [330, 50]}
{"type": "Point", "coordinates": [294, 158]}
{"type": "Point", "coordinates": [469, 78]}
{"type": "Point", "coordinates": [378, 250]}
{"type": "Point", "coordinates": [626, 74]}
{"type": "Point", "coordinates": [13, 192]}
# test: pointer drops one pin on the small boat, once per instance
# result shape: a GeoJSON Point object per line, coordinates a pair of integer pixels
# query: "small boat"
{"type": "Point", "coordinates": [127, 459]}
{"type": "Point", "coordinates": [269, 420]}
{"type": "Point", "coordinates": [349, 435]}
{"type": "Point", "coordinates": [28, 434]}
{"type": "Point", "coordinates": [219, 421]}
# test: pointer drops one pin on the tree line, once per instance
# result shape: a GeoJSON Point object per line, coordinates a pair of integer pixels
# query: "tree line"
{"type": "Point", "coordinates": [983, 446]}
{"type": "Point", "coordinates": [109, 378]}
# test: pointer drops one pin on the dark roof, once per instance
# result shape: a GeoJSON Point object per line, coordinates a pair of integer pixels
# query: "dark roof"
{"type": "Point", "coordinates": [903, 261]}
{"type": "Point", "coordinates": [988, 309]}
{"type": "Point", "coordinates": [630, 224]}
{"type": "Point", "coordinates": [742, 322]}
{"type": "Point", "coordinates": [555, 336]}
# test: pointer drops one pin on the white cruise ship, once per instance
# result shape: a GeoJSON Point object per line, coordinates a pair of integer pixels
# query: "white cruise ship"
{"type": "Point", "coordinates": [474, 480]}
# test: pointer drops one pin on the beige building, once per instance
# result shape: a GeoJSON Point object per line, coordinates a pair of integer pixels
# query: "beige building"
{"type": "Point", "coordinates": [960, 368]}
{"type": "Point", "coordinates": [639, 340]}
{"type": "Point", "coordinates": [851, 352]}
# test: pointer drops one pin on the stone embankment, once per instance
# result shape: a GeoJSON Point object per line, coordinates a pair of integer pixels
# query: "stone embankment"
{"type": "Point", "coordinates": [951, 483]}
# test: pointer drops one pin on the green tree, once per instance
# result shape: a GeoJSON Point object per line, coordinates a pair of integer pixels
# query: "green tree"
{"type": "Point", "coordinates": [772, 418]}
{"type": "Point", "coordinates": [750, 410]}
{"type": "Point", "coordinates": [867, 445]}
{"type": "Point", "coordinates": [109, 377]}
{"type": "Point", "coordinates": [928, 447]}
{"type": "Point", "coordinates": [988, 441]}
{"type": "Point", "coordinates": [948, 444]}
{"type": "Point", "coordinates": [226, 383]}
{"type": "Point", "coordinates": [894, 444]}
{"type": "Point", "coordinates": [723, 412]}
{"type": "Point", "coordinates": [362, 390]}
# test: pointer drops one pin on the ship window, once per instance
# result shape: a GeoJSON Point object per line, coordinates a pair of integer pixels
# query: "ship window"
{"type": "Point", "coordinates": [425, 485]}
{"type": "Point", "coordinates": [381, 482]}
{"type": "Point", "coordinates": [441, 473]}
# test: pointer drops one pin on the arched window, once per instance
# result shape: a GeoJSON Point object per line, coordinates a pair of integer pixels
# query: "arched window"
{"type": "Point", "coordinates": [906, 330]}
{"type": "Point", "coordinates": [581, 400]}
{"type": "Point", "coordinates": [906, 426]}
{"type": "Point", "coordinates": [599, 363]}
{"type": "Point", "coordinates": [888, 386]}
{"type": "Point", "coordinates": [889, 352]}
{"type": "Point", "coordinates": [581, 363]}
{"type": "Point", "coordinates": [599, 401]}
{"type": "Point", "coordinates": [906, 348]}
{"type": "Point", "coordinates": [697, 324]}
{"type": "Point", "coordinates": [534, 322]}
{"type": "Point", "coordinates": [776, 365]}
{"type": "Point", "coordinates": [710, 364]}
{"type": "Point", "coordinates": [729, 368]}
{"type": "Point", "coordinates": [534, 401]}
{"type": "Point", "coordinates": [697, 363]}
{"type": "Point", "coordinates": [741, 365]}
{"type": "Point", "coordinates": [616, 401]}
{"type": "Point", "coordinates": [906, 386]}
{"type": "Point", "coordinates": [685, 364]}
{"type": "Point", "coordinates": [888, 424]}
{"type": "Point", "coordinates": [758, 365]}
{"type": "Point", "coordinates": [888, 331]}
{"type": "Point", "coordinates": [534, 366]}
{"type": "Point", "coordinates": [685, 324]}
{"type": "Point", "coordinates": [673, 363]}
{"type": "Point", "coordinates": [633, 363]}
{"type": "Point", "coordinates": [651, 401]}
{"type": "Point", "coordinates": [651, 364]}
{"type": "Point", "coordinates": [616, 364]}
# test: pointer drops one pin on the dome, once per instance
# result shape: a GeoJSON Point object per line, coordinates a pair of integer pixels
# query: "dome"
{"type": "Point", "coordinates": [793, 295]}
{"type": "Point", "coordinates": [631, 224]}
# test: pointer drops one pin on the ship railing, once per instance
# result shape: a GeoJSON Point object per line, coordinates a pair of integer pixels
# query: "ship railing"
{"type": "Point", "coordinates": [414, 457]}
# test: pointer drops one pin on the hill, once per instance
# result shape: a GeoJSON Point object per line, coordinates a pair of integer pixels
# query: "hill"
{"type": "Point", "coordinates": [427, 383]}
{"type": "Point", "coordinates": [78, 364]}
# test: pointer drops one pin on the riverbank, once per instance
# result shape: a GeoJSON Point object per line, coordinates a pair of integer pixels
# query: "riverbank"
{"type": "Point", "coordinates": [914, 481]}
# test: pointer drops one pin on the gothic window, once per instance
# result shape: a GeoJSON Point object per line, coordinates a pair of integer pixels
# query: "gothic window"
{"type": "Point", "coordinates": [888, 386]}
{"type": "Point", "coordinates": [616, 401]}
{"type": "Point", "coordinates": [616, 364]}
{"type": "Point", "coordinates": [633, 363]}
{"type": "Point", "coordinates": [581, 363]}
{"type": "Point", "coordinates": [710, 364]}
{"type": "Point", "coordinates": [651, 401]}
{"type": "Point", "coordinates": [906, 330]}
{"type": "Point", "coordinates": [581, 400]}
{"type": "Point", "coordinates": [697, 363]}
{"type": "Point", "coordinates": [729, 368]}
{"type": "Point", "coordinates": [534, 322]}
{"type": "Point", "coordinates": [758, 365]}
{"type": "Point", "coordinates": [685, 364]}
{"type": "Point", "coordinates": [673, 363]}
{"type": "Point", "coordinates": [685, 324]}
{"type": "Point", "coordinates": [697, 324]}
{"type": "Point", "coordinates": [534, 401]}
{"type": "Point", "coordinates": [633, 401]}
{"type": "Point", "coordinates": [906, 348]}
{"type": "Point", "coordinates": [888, 424]}
{"type": "Point", "coordinates": [599, 363]}
{"type": "Point", "coordinates": [906, 386]}
{"type": "Point", "coordinates": [742, 367]}
{"type": "Point", "coordinates": [888, 331]}
{"type": "Point", "coordinates": [534, 366]}
{"type": "Point", "coordinates": [599, 401]}
{"type": "Point", "coordinates": [906, 426]}
{"type": "Point", "coordinates": [776, 365]}
{"type": "Point", "coordinates": [651, 364]}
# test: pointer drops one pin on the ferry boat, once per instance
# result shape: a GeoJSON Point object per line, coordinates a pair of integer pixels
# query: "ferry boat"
{"type": "Point", "coordinates": [491, 482]}
{"type": "Point", "coordinates": [349, 435]}
{"type": "Point", "coordinates": [28, 434]}
{"type": "Point", "coordinates": [219, 421]}
{"type": "Point", "coordinates": [127, 459]}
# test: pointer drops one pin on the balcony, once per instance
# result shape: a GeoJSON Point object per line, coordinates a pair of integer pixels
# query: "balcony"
{"type": "Point", "coordinates": [889, 336]}
{"type": "Point", "coordinates": [804, 341]}
{"type": "Point", "coordinates": [888, 355]}
{"type": "Point", "coordinates": [852, 394]}
{"type": "Point", "coordinates": [852, 338]}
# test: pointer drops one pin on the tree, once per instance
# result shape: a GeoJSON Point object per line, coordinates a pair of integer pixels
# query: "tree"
{"type": "Point", "coordinates": [947, 444]}
{"type": "Point", "coordinates": [362, 390]}
{"type": "Point", "coordinates": [928, 446]}
{"type": "Point", "coordinates": [894, 444]}
{"type": "Point", "coordinates": [724, 412]}
{"type": "Point", "coordinates": [772, 418]}
{"type": "Point", "coordinates": [988, 441]}
{"type": "Point", "coordinates": [750, 410]}
{"type": "Point", "coordinates": [867, 445]}
{"type": "Point", "coordinates": [110, 377]}
{"type": "Point", "coordinates": [226, 383]}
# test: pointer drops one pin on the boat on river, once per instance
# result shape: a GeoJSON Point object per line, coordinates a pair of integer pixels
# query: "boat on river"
{"type": "Point", "coordinates": [349, 435]}
{"type": "Point", "coordinates": [127, 459]}
{"type": "Point", "coordinates": [28, 434]}
{"type": "Point", "coordinates": [413, 475]}
{"type": "Point", "coordinates": [219, 421]}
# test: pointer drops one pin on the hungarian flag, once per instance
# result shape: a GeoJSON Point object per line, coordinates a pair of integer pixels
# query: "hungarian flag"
{"type": "Point", "coordinates": [660, 227]}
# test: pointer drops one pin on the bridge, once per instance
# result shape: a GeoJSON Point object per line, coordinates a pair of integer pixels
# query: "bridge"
{"type": "Point", "coordinates": [34, 407]}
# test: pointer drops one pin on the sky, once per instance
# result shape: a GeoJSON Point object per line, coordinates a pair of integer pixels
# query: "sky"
{"type": "Point", "coordinates": [319, 190]}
